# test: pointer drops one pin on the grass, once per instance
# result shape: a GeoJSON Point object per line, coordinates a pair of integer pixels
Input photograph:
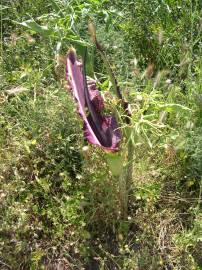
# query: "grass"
{"type": "Point", "coordinates": [60, 206]}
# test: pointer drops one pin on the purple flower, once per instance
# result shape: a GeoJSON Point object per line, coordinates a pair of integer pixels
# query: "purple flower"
{"type": "Point", "coordinates": [98, 129]}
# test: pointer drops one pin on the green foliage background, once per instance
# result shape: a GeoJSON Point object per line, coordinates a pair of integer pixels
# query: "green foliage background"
{"type": "Point", "coordinates": [59, 201]}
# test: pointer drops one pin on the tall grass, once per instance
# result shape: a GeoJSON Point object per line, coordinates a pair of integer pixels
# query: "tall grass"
{"type": "Point", "coordinates": [60, 198]}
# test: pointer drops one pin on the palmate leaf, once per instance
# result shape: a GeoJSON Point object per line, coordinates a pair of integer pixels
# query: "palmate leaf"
{"type": "Point", "coordinates": [67, 35]}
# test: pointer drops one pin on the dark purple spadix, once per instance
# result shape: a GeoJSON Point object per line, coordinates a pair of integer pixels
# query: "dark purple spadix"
{"type": "Point", "coordinates": [98, 129]}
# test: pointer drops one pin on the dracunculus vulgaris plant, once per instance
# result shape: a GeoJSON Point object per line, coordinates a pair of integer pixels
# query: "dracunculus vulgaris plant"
{"type": "Point", "coordinates": [99, 129]}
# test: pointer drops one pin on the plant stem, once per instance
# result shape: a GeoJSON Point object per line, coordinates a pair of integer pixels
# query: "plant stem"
{"type": "Point", "coordinates": [125, 181]}
{"type": "Point", "coordinates": [115, 85]}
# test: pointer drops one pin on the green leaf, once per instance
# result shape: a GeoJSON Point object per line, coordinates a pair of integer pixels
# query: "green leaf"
{"type": "Point", "coordinates": [173, 106]}
{"type": "Point", "coordinates": [44, 184]}
{"type": "Point", "coordinates": [115, 163]}
{"type": "Point", "coordinates": [43, 30]}
{"type": "Point", "coordinates": [3, 7]}
{"type": "Point", "coordinates": [56, 6]}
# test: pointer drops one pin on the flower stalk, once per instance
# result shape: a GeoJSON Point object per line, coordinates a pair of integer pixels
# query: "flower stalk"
{"type": "Point", "coordinates": [98, 129]}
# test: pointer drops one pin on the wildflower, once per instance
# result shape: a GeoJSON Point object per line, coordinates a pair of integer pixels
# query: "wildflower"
{"type": "Point", "coordinates": [98, 129]}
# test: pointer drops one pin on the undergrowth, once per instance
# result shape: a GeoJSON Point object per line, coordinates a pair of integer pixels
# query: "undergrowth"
{"type": "Point", "coordinates": [60, 204]}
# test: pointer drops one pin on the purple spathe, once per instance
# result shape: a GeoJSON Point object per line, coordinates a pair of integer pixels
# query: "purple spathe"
{"type": "Point", "coordinates": [98, 129]}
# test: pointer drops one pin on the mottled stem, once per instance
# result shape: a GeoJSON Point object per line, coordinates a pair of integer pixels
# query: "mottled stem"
{"type": "Point", "coordinates": [125, 181]}
{"type": "Point", "coordinates": [115, 85]}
